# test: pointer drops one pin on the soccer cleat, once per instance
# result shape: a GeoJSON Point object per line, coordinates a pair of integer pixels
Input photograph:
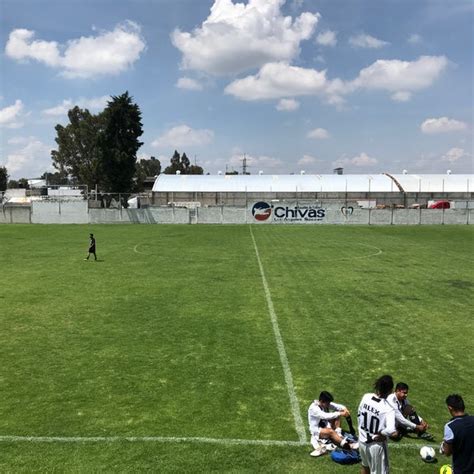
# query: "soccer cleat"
{"type": "Point", "coordinates": [426, 436]}
{"type": "Point", "coordinates": [318, 452]}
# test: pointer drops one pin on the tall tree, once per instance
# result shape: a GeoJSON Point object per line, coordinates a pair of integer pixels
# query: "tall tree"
{"type": "Point", "coordinates": [119, 143]}
{"type": "Point", "coordinates": [174, 164]}
{"type": "Point", "coordinates": [147, 168]}
{"type": "Point", "coordinates": [23, 183]}
{"type": "Point", "coordinates": [183, 165]}
{"type": "Point", "coordinates": [3, 178]}
{"type": "Point", "coordinates": [55, 179]}
{"type": "Point", "coordinates": [79, 154]}
{"type": "Point", "coordinates": [195, 169]}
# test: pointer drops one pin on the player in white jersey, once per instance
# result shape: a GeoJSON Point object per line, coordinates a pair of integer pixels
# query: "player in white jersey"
{"type": "Point", "coordinates": [376, 420]}
{"type": "Point", "coordinates": [324, 418]}
{"type": "Point", "coordinates": [406, 418]}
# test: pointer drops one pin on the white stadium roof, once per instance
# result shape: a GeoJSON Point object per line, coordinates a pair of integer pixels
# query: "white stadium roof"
{"type": "Point", "coordinates": [429, 183]}
{"type": "Point", "coordinates": [314, 183]}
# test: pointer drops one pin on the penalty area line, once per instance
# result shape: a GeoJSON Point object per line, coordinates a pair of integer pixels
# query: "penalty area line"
{"type": "Point", "coordinates": [171, 440]}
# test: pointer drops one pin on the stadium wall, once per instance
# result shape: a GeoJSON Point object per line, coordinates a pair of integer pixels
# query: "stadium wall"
{"type": "Point", "coordinates": [77, 212]}
{"type": "Point", "coordinates": [59, 212]}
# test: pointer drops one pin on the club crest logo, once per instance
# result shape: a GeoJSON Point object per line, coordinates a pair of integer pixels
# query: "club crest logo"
{"type": "Point", "coordinates": [347, 211]}
{"type": "Point", "coordinates": [261, 211]}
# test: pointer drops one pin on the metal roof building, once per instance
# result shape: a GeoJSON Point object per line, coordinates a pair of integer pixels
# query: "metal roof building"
{"type": "Point", "coordinates": [434, 183]}
{"type": "Point", "coordinates": [412, 183]}
{"type": "Point", "coordinates": [402, 189]}
{"type": "Point", "coordinates": [273, 183]}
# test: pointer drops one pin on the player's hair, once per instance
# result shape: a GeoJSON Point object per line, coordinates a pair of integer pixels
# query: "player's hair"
{"type": "Point", "coordinates": [384, 385]}
{"type": "Point", "coordinates": [325, 397]}
{"type": "Point", "coordinates": [401, 386]}
{"type": "Point", "coordinates": [455, 401]}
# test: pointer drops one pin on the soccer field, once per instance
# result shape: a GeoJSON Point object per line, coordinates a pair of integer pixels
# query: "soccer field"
{"type": "Point", "coordinates": [200, 348]}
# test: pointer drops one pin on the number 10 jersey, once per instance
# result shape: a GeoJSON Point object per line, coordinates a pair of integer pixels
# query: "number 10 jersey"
{"type": "Point", "coordinates": [375, 416]}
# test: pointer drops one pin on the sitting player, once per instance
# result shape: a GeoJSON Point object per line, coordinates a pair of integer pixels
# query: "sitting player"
{"type": "Point", "coordinates": [324, 417]}
{"type": "Point", "coordinates": [406, 418]}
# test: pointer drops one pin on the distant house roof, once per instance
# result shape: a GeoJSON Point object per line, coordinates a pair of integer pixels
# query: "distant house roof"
{"type": "Point", "coordinates": [326, 183]}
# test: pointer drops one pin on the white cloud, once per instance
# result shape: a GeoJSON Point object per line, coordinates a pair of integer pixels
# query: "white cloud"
{"type": "Point", "coordinates": [414, 39]}
{"type": "Point", "coordinates": [10, 115]}
{"type": "Point", "coordinates": [454, 154]}
{"type": "Point", "coordinates": [188, 83]}
{"type": "Point", "coordinates": [110, 52]}
{"type": "Point", "coordinates": [400, 77]}
{"type": "Point", "coordinates": [279, 80]}
{"type": "Point", "coordinates": [318, 133]}
{"type": "Point", "coordinates": [183, 135]}
{"type": "Point", "coordinates": [308, 161]}
{"type": "Point", "coordinates": [287, 105]}
{"type": "Point", "coordinates": [361, 160]}
{"type": "Point", "coordinates": [255, 163]}
{"type": "Point", "coordinates": [31, 160]}
{"type": "Point", "coordinates": [237, 37]}
{"type": "Point", "coordinates": [327, 38]}
{"type": "Point", "coordinates": [366, 41]}
{"type": "Point", "coordinates": [442, 125]}
{"type": "Point", "coordinates": [21, 46]}
{"type": "Point", "coordinates": [92, 104]}
{"type": "Point", "coordinates": [401, 96]}
{"type": "Point", "coordinates": [17, 140]}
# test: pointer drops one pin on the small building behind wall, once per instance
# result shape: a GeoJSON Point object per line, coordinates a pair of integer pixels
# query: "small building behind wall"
{"type": "Point", "coordinates": [378, 189]}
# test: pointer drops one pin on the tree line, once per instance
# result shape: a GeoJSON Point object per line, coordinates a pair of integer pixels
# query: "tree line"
{"type": "Point", "coordinates": [100, 150]}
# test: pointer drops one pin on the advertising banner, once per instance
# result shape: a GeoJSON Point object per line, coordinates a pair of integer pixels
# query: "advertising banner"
{"type": "Point", "coordinates": [287, 212]}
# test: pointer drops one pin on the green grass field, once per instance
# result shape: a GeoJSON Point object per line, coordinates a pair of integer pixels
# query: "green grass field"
{"type": "Point", "coordinates": [163, 356]}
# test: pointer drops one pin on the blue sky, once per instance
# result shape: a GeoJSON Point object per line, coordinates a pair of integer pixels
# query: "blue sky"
{"type": "Point", "coordinates": [370, 85]}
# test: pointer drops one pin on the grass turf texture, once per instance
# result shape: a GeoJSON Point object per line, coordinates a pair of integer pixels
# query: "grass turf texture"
{"type": "Point", "coordinates": [169, 335]}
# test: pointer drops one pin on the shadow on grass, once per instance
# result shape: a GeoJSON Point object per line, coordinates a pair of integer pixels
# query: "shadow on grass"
{"type": "Point", "coordinates": [461, 284]}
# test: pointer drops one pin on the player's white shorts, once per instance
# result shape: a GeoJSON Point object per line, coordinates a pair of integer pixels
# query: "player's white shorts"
{"type": "Point", "coordinates": [375, 457]}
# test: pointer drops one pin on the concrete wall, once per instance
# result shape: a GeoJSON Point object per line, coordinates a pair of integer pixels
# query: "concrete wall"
{"type": "Point", "coordinates": [76, 212]}
{"type": "Point", "coordinates": [166, 215]}
{"type": "Point", "coordinates": [15, 215]}
{"type": "Point", "coordinates": [59, 212]}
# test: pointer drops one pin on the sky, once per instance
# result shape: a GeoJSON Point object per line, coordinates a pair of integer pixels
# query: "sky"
{"type": "Point", "coordinates": [372, 86]}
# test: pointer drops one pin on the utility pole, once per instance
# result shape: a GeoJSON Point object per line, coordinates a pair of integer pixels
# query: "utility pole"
{"type": "Point", "coordinates": [244, 165]}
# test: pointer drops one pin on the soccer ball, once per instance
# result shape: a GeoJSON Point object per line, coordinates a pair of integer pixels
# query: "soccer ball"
{"type": "Point", "coordinates": [427, 454]}
{"type": "Point", "coordinates": [446, 469]}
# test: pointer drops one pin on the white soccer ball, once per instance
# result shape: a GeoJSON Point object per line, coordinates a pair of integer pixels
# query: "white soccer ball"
{"type": "Point", "coordinates": [428, 454]}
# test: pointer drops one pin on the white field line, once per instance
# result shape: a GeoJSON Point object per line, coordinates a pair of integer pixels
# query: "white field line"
{"type": "Point", "coordinates": [171, 440]}
{"type": "Point", "coordinates": [378, 252]}
{"type": "Point", "coordinates": [155, 439]}
{"type": "Point", "coordinates": [135, 249]}
{"type": "Point", "coordinates": [300, 429]}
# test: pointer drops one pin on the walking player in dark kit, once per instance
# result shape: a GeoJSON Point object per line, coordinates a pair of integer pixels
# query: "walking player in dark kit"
{"type": "Point", "coordinates": [91, 247]}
